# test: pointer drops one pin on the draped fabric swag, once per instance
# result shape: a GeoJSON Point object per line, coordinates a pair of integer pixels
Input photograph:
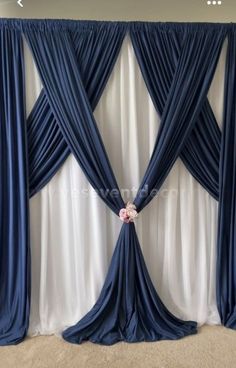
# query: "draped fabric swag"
{"type": "Point", "coordinates": [74, 60]}
{"type": "Point", "coordinates": [201, 152]}
{"type": "Point", "coordinates": [96, 54]}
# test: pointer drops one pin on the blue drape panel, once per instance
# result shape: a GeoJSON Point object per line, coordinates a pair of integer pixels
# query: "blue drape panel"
{"type": "Point", "coordinates": [158, 55]}
{"type": "Point", "coordinates": [56, 61]}
{"type": "Point", "coordinates": [47, 149]}
{"type": "Point", "coordinates": [188, 91]}
{"type": "Point", "coordinates": [96, 53]}
{"type": "Point", "coordinates": [128, 307]}
{"type": "Point", "coordinates": [226, 260]}
{"type": "Point", "coordinates": [57, 64]}
{"type": "Point", "coordinates": [128, 293]}
{"type": "Point", "coordinates": [14, 240]}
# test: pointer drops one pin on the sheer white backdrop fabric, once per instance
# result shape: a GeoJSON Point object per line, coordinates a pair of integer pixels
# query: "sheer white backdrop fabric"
{"type": "Point", "coordinates": [73, 233]}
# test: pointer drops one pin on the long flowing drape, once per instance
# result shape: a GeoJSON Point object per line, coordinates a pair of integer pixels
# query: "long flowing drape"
{"type": "Point", "coordinates": [14, 231]}
{"type": "Point", "coordinates": [226, 274]}
{"type": "Point", "coordinates": [111, 320]}
{"type": "Point", "coordinates": [127, 294]}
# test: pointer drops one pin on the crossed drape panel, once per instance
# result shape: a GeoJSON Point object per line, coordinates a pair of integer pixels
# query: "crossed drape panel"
{"type": "Point", "coordinates": [14, 242]}
{"type": "Point", "coordinates": [123, 316]}
{"type": "Point", "coordinates": [188, 91]}
{"type": "Point", "coordinates": [56, 61]}
{"type": "Point", "coordinates": [158, 57]}
{"type": "Point", "coordinates": [47, 149]}
{"type": "Point", "coordinates": [111, 320]}
{"type": "Point", "coordinates": [96, 53]}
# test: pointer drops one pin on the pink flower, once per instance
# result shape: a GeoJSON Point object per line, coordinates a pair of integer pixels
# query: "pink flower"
{"type": "Point", "coordinates": [129, 213]}
{"type": "Point", "coordinates": [123, 215]}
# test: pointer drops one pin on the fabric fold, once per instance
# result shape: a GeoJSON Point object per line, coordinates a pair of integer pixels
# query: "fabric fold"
{"type": "Point", "coordinates": [14, 213]}
{"type": "Point", "coordinates": [128, 308]}
{"type": "Point", "coordinates": [55, 58]}
{"type": "Point", "coordinates": [226, 273]}
{"type": "Point", "coordinates": [158, 55]}
{"type": "Point", "coordinates": [96, 53]}
{"type": "Point", "coordinates": [187, 94]}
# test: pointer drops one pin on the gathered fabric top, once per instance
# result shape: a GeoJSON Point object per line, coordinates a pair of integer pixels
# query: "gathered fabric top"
{"type": "Point", "coordinates": [93, 25]}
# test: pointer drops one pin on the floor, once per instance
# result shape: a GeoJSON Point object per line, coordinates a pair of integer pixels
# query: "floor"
{"type": "Point", "coordinates": [212, 347]}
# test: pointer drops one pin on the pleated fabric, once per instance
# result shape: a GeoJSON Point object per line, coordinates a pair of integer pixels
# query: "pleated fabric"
{"type": "Point", "coordinates": [60, 77]}
{"type": "Point", "coordinates": [14, 213]}
{"type": "Point", "coordinates": [194, 88]}
{"type": "Point", "coordinates": [226, 274]}
{"type": "Point", "coordinates": [96, 54]}
{"type": "Point", "coordinates": [158, 57]}
{"type": "Point", "coordinates": [128, 308]}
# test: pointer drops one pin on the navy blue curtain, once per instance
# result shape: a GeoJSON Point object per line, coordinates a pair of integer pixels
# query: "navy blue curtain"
{"type": "Point", "coordinates": [58, 67]}
{"type": "Point", "coordinates": [226, 260]}
{"type": "Point", "coordinates": [96, 53]}
{"type": "Point", "coordinates": [188, 91]}
{"type": "Point", "coordinates": [74, 60]}
{"type": "Point", "coordinates": [128, 307]}
{"type": "Point", "coordinates": [14, 239]}
{"type": "Point", "coordinates": [158, 55]}
{"type": "Point", "coordinates": [120, 312]}
{"type": "Point", "coordinates": [125, 318]}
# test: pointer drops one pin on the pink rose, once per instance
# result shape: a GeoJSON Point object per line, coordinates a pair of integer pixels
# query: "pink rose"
{"type": "Point", "coordinates": [123, 215]}
{"type": "Point", "coordinates": [129, 213]}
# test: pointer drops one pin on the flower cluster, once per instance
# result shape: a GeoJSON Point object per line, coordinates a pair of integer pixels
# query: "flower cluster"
{"type": "Point", "coordinates": [129, 213]}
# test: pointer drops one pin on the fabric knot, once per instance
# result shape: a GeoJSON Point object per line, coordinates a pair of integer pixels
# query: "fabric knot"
{"type": "Point", "coordinates": [129, 213]}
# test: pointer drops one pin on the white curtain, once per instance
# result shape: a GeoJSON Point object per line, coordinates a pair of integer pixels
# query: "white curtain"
{"type": "Point", "coordinates": [73, 233]}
